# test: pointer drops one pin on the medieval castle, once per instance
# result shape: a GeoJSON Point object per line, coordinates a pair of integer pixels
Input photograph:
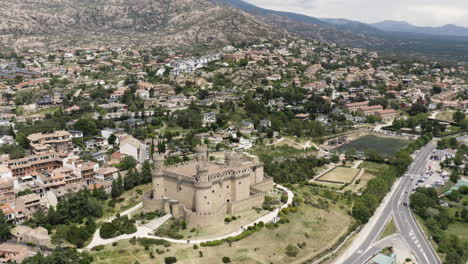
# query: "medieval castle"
{"type": "Point", "coordinates": [204, 192]}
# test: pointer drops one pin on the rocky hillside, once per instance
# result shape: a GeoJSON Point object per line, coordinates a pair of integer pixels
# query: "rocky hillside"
{"type": "Point", "coordinates": [185, 23]}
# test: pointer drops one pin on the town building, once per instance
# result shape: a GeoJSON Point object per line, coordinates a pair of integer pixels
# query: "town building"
{"type": "Point", "coordinates": [135, 148]}
{"type": "Point", "coordinates": [387, 114]}
{"type": "Point", "coordinates": [34, 164]}
{"type": "Point", "coordinates": [354, 107]}
{"type": "Point", "coordinates": [59, 141]}
{"type": "Point", "coordinates": [370, 110]}
{"type": "Point", "coordinates": [11, 253]}
{"type": "Point", "coordinates": [38, 236]}
{"type": "Point", "coordinates": [203, 192]}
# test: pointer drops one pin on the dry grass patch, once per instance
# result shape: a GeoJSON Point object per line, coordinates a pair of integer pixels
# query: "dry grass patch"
{"type": "Point", "coordinates": [340, 175]}
{"type": "Point", "coordinates": [314, 229]}
{"type": "Point", "coordinates": [445, 116]}
{"type": "Point", "coordinates": [359, 185]}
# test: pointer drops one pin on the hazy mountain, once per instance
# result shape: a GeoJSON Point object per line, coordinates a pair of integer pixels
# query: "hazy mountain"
{"type": "Point", "coordinates": [174, 23]}
{"type": "Point", "coordinates": [402, 26]}
{"type": "Point", "coordinates": [349, 35]}
{"type": "Point", "coordinates": [354, 26]}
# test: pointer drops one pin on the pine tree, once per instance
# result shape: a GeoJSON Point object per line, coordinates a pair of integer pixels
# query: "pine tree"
{"type": "Point", "coordinates": [146, 172]}
{"type": "Point", "coordinates": [117, 187]}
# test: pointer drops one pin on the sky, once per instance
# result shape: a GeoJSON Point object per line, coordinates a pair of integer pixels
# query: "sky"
{"type": "Point", "coordinates": [417, 12]}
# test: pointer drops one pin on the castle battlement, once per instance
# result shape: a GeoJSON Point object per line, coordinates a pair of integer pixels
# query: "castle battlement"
{"type": "Point", "coordinates": [203, 192]}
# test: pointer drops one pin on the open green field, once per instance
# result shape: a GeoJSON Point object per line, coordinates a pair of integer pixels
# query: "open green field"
{"type": "Point", "coordinates": [459, 230]}
{"type": "Point", "coordinates": [387, 147]}
{"type": "Point", "coordinates": [340, 175]}
{"type": "Point", "coordinates": [313, 228]}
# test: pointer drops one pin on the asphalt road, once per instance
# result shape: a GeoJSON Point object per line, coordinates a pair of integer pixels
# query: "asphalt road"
{"type": "Point", "coordinates": [403, 217]}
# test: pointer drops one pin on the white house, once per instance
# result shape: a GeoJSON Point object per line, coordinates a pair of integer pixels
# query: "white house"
{"type": "Point", "coordinates": [134, 147]}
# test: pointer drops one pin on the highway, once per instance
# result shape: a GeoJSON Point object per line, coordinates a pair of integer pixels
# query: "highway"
{"type": "Point", "coordinates": [362, 249]}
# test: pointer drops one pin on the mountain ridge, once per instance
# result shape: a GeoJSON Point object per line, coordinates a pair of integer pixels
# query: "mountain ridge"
{"type": "Point", "coordinates": [403, 26]}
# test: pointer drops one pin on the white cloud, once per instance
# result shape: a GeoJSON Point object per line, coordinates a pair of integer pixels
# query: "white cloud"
{"type": "Point", "coordinates": [418, 12]}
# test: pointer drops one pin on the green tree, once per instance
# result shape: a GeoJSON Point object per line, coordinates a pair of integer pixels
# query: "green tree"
{"type": "Point", "coordinates": [61, 256]}
{"type": "Point", "coordinates": [117, 187]}
{"type": "Point", "coordinates": [127, 163]}
{"type": "Point", "coordinates": [146, 172]}
{"type": "Point", "coordinates": [4, 228]}
{"type": "Point", "coordinates": [87, 126]}
{"type": "Point", "coordinates": [170, 260]}
{"type": "Point", "coordinates": [458, 116]}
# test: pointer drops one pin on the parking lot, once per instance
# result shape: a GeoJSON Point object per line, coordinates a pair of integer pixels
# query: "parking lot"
{"type": "Point", "coordinates": [434, 176]}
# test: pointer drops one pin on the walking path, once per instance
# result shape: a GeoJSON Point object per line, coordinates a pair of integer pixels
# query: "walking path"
{"type": "Point", "coordinates": [144, 231]}
{"type": "Point", "coordinates": [356, 165]}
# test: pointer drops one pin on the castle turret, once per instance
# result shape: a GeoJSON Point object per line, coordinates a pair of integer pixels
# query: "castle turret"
{"type": "Point", "coordinates": [158, 177]}
{"type": "Point", "coordinates": [233, 159]}
{"type": "Point", "coordinates": [158, 161]}
{"type": "Point", "coordinates": [202, 172]}
{"type": "Point", "coordinates": [202, 153]}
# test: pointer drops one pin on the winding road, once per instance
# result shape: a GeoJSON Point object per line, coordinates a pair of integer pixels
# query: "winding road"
{"type": "Point", "coordinates": [395, 205]}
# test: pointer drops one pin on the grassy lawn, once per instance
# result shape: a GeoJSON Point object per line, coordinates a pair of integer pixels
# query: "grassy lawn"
{"type": "Point", "coordinates": [389, 229]}
{"type": "Point", "coordinates": [316, 229]}
{"type": "Point", "coordinates": [340, 174]}
{"type": "Point", "coordinates": [385, 146]}
{"type": "Point", "coordinates": [373, 167]}
{"type": "Point", "coordinates": [130, 198]}
{"type": "Point", "coordinates": [458, 229]}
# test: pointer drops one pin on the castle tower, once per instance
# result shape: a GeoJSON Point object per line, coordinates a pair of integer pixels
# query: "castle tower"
{"type": "Point", "coordinates": [202, 153]}
{"type": "Point", "coordinates": [202, 172]}
{"type": "Point", "coordinates": [158, 177]}
{"type": "Point", "coordinates": [233, 158]}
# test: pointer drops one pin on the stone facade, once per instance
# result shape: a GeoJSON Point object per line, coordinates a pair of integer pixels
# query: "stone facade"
{"type": "Point", "coordinates": [203, 192]}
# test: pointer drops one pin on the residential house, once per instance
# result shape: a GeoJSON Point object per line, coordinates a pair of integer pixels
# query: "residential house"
{"type": "Point", "coordinates": [29, 204]}
{"type": "Point", "coordinates": [59, 141]}
{"type": "Point", "coordinates": [12, 253]}
{"type": "Point", "coordinates": [38, 236]}
{"type": "Point", "coordinates": [133, 147]}
{"type": "Point", "coordinates": [7, 193]}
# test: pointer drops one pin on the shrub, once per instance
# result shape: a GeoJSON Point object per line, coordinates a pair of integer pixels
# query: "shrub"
{"type": "Point", "coordinates": [212, 243]}
{"type": "Point", "coordinates": [226, 260]}
{"type": "Point", "coordinates": [284, 198]}
{"type": "Point", "coordinates": [292, 251]}
{"type": "Point", "coordinates": [195, 246]}
{"type": "Point", "coordinates": [151, 241]}
{"type": "Point", "coordinates": [227, 219]}
{"type": "Point", "coordinates": [98, 248]}
{"type": "Point", "coordinates": [114, 244]}
{"type": "Point", "coordinates": [170, 260]}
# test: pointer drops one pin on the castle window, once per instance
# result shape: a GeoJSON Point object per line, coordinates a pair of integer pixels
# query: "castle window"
{"type": "Point", "coordinates": [212, 191]}
{"type": "Point", "coordinates": [240, 182]}
{"type": "Point", "coordinates": [228, 200]}
{"type": "Point", "coordinates": [205, 197]}
{"type": "Point", "coordinates": [227, 187]}
{"type": "Point", "coordinates": [180, 188]}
